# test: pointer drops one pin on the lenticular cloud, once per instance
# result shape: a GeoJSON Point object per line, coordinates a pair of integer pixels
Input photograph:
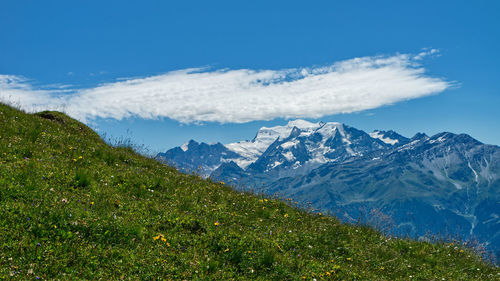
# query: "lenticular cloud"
{"type": "Point", "coordinates": [238, 96]}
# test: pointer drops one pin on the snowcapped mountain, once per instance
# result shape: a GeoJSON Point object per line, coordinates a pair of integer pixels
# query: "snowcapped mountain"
{"type": "Point", "coordinates": [445, 184]}
{"type": "Point", "coordinates": [298, 146]}
{"type": "Point", "coordinates": [250, 151]}
{"type": "Point", "coordinates": [307, 148]}
{"type": "Point", "coordinates": [389, 137]}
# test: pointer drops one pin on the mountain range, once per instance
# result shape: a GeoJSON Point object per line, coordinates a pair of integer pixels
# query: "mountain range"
{"type": "Point", "coordinates": [446, 185]}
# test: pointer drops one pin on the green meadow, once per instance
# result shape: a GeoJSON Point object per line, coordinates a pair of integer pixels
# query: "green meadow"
{"type": "Point", "coordinates": [74, 208]}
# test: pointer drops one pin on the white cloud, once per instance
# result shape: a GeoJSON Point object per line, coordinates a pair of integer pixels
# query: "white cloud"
{"type": "Point", "coordinates": [426, 52]}
{"type": "Point", "coordinates": [18, 91]}
{"type": "Point", "coordinates": [200, 95]}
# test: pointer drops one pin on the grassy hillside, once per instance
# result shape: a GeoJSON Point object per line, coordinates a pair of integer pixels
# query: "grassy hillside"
{"type": "Point", "coordinates": [74, 208]}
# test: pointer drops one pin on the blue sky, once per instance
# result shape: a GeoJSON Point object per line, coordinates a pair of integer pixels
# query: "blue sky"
{"type": "Point", "coordinates": [52, 50]}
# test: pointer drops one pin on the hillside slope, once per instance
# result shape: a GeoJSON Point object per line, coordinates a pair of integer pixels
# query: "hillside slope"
{"type": "Point", "coordinates": [75, 208]}
{"type": "Point", "coordinates": [444, 185]}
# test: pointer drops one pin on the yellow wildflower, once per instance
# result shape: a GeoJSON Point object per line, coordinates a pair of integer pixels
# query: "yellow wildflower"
{"type": "Point", "coordinates": [286, 215]}
{"type": "Point", "coordinates": [216, 223]}
{"type": "Point", "coordinates": [156, 237]}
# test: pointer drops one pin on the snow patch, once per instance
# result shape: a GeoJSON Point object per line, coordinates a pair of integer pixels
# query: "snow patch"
{"type": "Point", "coordinates": [474, 171]}
{"type": "Point", "coordinates": [493, 218]}
{"type": "Point", "coordinates": [275, 164]}
{"type": "Point", "coordinates": [378, 135]}
{"type": "Point", "coordinates": [184, 147]}
{"type": "Point", "coordinates": [289, 156]}
{"type": "Point", "coordinates": [410, 145]}
{"type": "Point", "coordinates": [289, 144]}
{"type": "Point", "coordinates": [458, 186]}
{"type": "Point", "coordinates": [440, 139]}
{"type": "Point", "coordinates": [296, 165]}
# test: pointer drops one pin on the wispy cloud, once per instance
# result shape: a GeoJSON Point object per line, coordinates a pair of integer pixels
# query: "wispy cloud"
{"type": "Point", "coordinates": [243, 95]}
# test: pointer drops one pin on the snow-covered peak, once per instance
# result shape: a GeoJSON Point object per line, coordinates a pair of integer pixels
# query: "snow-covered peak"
{"type": "Point", "coordinates": [185, 146]}
{"type": "Point", "coordinates": [330, 129]}
{"type": "Point", "coordinates": [382, 136]}
{"type": "Point", "coordinates": [251, 150]}
{"type": "Point", "coordinates": [299, 144]}
{"type": "Point", "coordinates": [270, 134]}
{"type": "Point", "coordinates": [283, 132]}
{"type": "Point", "coordinates": [303, 124]}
